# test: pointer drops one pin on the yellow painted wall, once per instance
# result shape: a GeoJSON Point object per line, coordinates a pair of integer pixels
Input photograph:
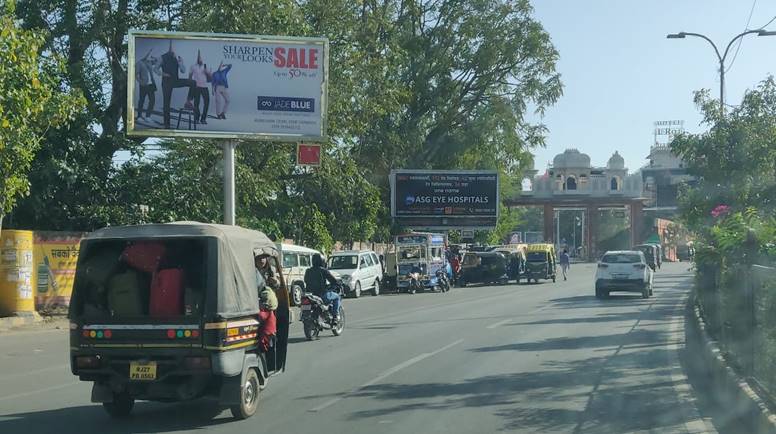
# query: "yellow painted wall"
{"type": "Point", "coordinates": [17, 277]}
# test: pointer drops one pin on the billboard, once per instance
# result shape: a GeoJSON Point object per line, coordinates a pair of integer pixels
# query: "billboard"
{"type": "Point", "coordinates": [55, 255]}
{"type": "Point", "coordinates": [227, 86]}
{"type": "Point", "coordinates": [444, 199]}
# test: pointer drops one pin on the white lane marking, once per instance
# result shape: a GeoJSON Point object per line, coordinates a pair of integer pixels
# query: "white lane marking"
{"type": "Point", "coordinates": [35, 392]}
{"type": "Point", "coordinates": [502, 322]}
{"type": "Point", "coordinates": [384, 375]}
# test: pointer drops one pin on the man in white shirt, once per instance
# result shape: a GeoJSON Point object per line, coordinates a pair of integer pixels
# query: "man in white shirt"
{"type": "Point", "coordinates": [200, 74]}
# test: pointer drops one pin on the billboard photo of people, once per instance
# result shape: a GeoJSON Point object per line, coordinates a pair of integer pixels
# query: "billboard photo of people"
{"type": "Point", "coordinates": [231, 86]}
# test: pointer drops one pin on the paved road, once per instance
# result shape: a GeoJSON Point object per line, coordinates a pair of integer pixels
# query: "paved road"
{"type": "Point", "coordinates": [530, 358]}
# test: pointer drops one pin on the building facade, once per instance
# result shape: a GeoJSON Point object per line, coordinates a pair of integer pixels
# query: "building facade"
{"type": "Point", "coordinates": [572, 187]}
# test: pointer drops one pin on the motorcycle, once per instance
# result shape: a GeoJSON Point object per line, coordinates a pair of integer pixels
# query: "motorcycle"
{"type": "Point", "coordinates": [443, 283]}
{"type": "Point", "coordinates": [317, 316]}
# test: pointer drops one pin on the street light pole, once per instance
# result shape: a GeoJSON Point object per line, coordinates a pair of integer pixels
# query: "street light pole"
{"type": "Point", "coordinates": [229, 201]}
{"type": "Point", "coordinates": [721, 58]}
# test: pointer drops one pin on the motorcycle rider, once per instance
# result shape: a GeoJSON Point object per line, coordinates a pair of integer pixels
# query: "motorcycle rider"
{"type": "Point", "coordinates": [315, 281]}
{"type": "Point", "coordinates": [414, 275]}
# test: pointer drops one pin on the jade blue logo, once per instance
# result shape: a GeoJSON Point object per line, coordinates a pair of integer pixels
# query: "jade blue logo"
{"type": "Point", "coordinates": [409, 200]}
{"type": "Point", "coordinates": [285, 104]}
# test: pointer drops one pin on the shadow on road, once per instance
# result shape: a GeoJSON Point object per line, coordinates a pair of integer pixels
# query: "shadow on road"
{"type": "Point", "coordinates": [146, 418]}
{"type": "Point", "coordinates": [639, 397]}
{"type": "Point", "coordinates": [610, 340]}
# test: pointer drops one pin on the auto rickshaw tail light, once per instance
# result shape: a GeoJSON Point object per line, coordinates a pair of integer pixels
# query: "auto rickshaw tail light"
{"type": "Point", "coordinates": [305, 300]}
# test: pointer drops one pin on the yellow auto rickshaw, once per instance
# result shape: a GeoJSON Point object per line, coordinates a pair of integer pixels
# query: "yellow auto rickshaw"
{"type": "Point", "coordinates": [540, 262]}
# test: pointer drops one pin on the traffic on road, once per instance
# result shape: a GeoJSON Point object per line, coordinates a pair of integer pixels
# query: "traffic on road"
{"type": "Point", "coordinates": [538, 357]}
{"type": "Point", "coordinates": [393, 216]}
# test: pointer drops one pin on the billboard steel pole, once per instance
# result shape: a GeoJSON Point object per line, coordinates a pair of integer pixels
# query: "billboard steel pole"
{"type": "Point", "coordinates": [229, 203]}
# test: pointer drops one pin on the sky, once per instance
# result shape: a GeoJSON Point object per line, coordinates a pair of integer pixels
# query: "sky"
{"type": "Point", "coordinates": [621, 74]}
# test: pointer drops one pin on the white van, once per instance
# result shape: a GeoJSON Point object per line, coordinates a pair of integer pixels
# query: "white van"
{"type": "Point", "coordinates": [359, 270]}
{"type": "Point", "coordinates": [296, 260]}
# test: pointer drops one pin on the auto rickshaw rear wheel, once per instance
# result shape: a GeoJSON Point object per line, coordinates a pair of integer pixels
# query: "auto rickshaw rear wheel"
{"type": "Point", "coordinates": [121, 406]}
{"type": "Point", "coordinates": [249, 396]}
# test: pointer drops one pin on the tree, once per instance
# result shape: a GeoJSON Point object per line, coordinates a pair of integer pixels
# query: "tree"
{"type": "Point", "coordinates": [71, 181]}
{"type": "Point", "coordinates": [413, 83]}
{"type": "Point", "coordinates": [459, 77]}
{"type": "Point", "coordinates": [31, 102]}
{"type": "Point", "coordinates": [734, 162]}
{"type": "Point", "coordinates": [731, 205]}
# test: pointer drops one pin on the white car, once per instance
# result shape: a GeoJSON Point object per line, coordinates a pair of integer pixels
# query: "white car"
{"type": "Point", "coordinates": [359, 271]}
{"type": "Point", "coordinates": [623, 270]}
{"type": "Point", "coordinates": [296, 260]}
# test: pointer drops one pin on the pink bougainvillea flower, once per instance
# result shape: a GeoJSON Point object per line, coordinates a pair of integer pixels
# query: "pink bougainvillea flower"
{"type": "Point", "coordinates": [720, 210]}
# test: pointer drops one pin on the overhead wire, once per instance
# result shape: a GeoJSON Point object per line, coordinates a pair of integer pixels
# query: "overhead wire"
{"type": "Point", "coordinates": [766, 24]}
{"type": "Point", "coordinates": [740, 41]}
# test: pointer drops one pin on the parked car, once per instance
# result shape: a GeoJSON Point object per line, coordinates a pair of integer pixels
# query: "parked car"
{"type": "Point", "coordinates": [296, 260]}
{"type": "Point", "coordinates": [623, 270]}
{"type": "Point", "coordinates": [359, 271]}
{"type": "Point", "coordinates": [483, 267]}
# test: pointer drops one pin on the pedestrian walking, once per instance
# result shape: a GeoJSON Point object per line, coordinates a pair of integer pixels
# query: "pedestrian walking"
{"type": "Point", "coordinates": [565, 262]}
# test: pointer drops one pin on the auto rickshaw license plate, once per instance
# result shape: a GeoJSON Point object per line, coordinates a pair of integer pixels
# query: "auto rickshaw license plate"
{"type": "Point", "coordinates": [142, 371]}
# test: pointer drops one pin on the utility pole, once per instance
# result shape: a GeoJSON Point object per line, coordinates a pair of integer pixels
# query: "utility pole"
{"type": "Point", "coordinates": [229, 201]}
{"type": "Point", "coordinates": [721, 58]}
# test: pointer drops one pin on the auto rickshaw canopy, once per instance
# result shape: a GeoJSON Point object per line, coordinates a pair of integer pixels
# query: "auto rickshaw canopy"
{"type": "Point", "coordinates": [235, 293]}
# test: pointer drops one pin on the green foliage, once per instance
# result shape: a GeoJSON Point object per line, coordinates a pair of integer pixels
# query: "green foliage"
{"type": "Point", "coordinates": [268, 226]}
{"type": "Point", "coordinates": [507, 222]}
{"type": "Point", "coordinates": [73, 184]}
{"type": "Point", "coordinates": [31, 102]}
{"type": "Point", "coordinates": [315, 234]}
{"type": "Point", "coordinates": [413, 84]}
{"type": "Point", "coordinates": [731, 207]}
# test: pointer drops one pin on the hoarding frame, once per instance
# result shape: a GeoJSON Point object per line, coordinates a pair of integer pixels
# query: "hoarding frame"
{"type": "Point", "coordinates": [162, 132]}
{"type": "Point", "coordinates": [464, 224]}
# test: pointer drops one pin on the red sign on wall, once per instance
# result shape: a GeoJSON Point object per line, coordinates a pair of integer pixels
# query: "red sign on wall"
{"type": "Point", "coordinates": [308, 154]}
